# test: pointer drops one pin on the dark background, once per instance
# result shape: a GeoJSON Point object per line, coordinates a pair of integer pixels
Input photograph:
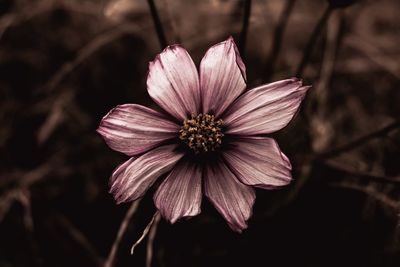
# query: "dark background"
{"type": "Point", "coordinates": [65, 63]}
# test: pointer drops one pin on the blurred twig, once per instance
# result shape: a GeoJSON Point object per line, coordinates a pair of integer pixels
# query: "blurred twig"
{"type": "Point", "coordinates": [80, 239]}
{"type": "Point", "coordinates": [320, 126]}
{"type": "Point", "coordinates": [55, 115]}
{"type": "Point", "coordinates": [172, 18]}
{"type": "Point", "coordinates": [86, 51]}
{"type": "Point", "coordinates": [157, 24]}
{"type": "Point", "coordinates": [278, 36]}
{"type": "Point", "coordinates": [311, 41]}
{"type": "Point", "coordinates": [360, 141]}
{"type": "Point", "coordinates": [17, 17]}
{"type": "Point", "coordinates": [30, 177]}
{"type": "Point", "coordinates": [336, 166]}
{"type": "Point", "coordinates": [42, 7]}
{"type": "Point", "coordinates": [318, 118]}
{"type": "Point", "coordinates": [17, 183]}
{"type": "Point", "coordinates": [371, 191]}
{"type": "Point", "coordinates": [121, 231]}
{"type": "Point", "coordinates": [245, 26]}
{"type": "Point", "coordinates": [375, 54]}
{"type": "Point", "coordinates": [6, 200]}
{"type": "Point", "coordinates": [24, 198]}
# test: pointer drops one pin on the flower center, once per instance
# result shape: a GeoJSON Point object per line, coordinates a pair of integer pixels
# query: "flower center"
{"type": "Point", "coordinates": [202, 133]}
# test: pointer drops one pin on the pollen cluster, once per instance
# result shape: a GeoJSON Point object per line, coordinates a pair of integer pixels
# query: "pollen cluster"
{"type": "Point", "coordinates": [202, 133]}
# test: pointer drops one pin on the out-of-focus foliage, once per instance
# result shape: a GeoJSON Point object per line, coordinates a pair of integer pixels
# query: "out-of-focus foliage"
{"type": "Point", "coordinates": [65, 63]}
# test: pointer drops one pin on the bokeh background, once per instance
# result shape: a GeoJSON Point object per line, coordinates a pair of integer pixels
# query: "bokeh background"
{"type": "Point", "coordinates": [65, 63]}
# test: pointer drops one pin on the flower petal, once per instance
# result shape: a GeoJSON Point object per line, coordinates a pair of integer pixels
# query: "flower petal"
{"type": "Point", "coordinates": [119, 172]}
{"type": "Point", "coordinates": [258, 161]}
{"type": "Point", "coordinates": [173, 82]}
{"type": "Point", "coordinates": [134, 129]}
{"type": "Point", "coordinates": [222, 77]}
{"type": "Point", "coordinates": [265, 109]}
{"type": "Point", "coordinates": [131, 180]}
{"type": "Point", "coordinates": [232, 199]}
{"type": "Point", "coordinates": [180, 193]}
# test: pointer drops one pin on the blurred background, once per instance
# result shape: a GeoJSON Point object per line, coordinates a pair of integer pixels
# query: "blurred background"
{"type": "Point", "coordinates": [65, 63]}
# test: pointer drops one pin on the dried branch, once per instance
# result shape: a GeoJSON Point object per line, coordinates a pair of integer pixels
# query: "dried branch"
{"type": "Point", "coordinates": [171, 17]}
{"type": "Point", "coordinates": [145, 232]}
{"type": "Point", "coordinates": [43, 7]}
{"type": "Point", "coordinates": [121, 231]}
{"type": "Point", "coordinates": [28, 178]}
{"type": "Point", "coordinates": [5, 202]}
{"type": "Point", "coordinates": [80, 239]}
{"type": "Point", "coordinates": [374, 53]}
{"type": "Point", "coordinates": [15, 184]}
{"type": "Point", "coordinates": [311, 41]}
{"type": "Point", "coordinates": [25, 200]}
{"type": "Point", "coordinates": [89, 49]}
{"type": "Point", "coordinates": [245, 26]}
{"type": "Point", "coordinates": [150, 241]}
{"type": "Point", "coordinates": [360, 141]}
{"type": "Point", "coordinates": [55, 116]}
{"type": "Point", "coordinates": [321, 128]}
{"type": "Point", "coordinates": [360, 174]}
{"type": "Point", "coordinates": [278, 36]}
{"type": "Point", "coordinates": [372, 192]}
{"type": "Point", "coordinates": [157, 24]}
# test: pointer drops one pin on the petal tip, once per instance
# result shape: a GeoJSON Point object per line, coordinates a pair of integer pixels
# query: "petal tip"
{"type": "Point", "coordinates": [296, 79]}
{"type": "Point", "coordinates": [307, 87]}
{"type": "Point", "coordinates": [174, 48]}
{"type": "Point", "coordinates": [172, 81]}
{"type": "Point", "coordinates": [99, 130]}
{"type": "Point", "coordinates": [238, 228]}
{"type": "Point", "coordinates": [118, 200]}
{"type": "Point", "coordinates": [230, 40]}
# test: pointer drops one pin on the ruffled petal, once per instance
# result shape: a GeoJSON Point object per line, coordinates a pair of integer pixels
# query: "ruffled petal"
{"type": "Point", "coordinates": [180, 193]}
{"type": "Point", "coordinates": [131, 180]}
{"type": "Point", "coordinates": [133, 129]}
{"type": "Point", "coordinates": [259, 162]}
{"type": "Point", "coordinates": [173, 82]}
{"type": "Point", "coordinates": [265, 109]}
{"type": "Point", "coordinates": [232, 199]}
{"type": "Point", "coordinates": [222, 77]}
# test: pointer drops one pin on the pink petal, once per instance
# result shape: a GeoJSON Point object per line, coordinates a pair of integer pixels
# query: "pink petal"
{"type": "Point", "coordinates": [222, 77]}
{"type": "Point", "coordinates": [173, 82]}
{"type": "Point", "coordinates": [258, 161]}
{"type": "Point", "coordinates": [131, 180]}
{"type": "Point", "coordinates": [180, 193]}
{"type": "Point", "coordinates": [119, 171]}
{"type": "Point", "coordinates": [232, 199]}
{"type": "Point", "coordinates": [134, 129]}
{"type": "Point", "coordinates": [265, 109]}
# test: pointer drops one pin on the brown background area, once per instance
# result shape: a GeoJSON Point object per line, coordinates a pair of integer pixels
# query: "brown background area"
{"type": "Point", "coordinates": [65, 63]}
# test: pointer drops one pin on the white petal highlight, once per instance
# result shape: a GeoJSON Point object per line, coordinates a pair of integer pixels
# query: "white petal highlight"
{"type": "Point", "coordinates": [265, 109]}
{"type": "Point", "coordinates": [133, 129]}
{"type": "Point", "coordinates": [233, 200]}
{"type": "Point", "coordinates": [131, 180]}
{"type": "Point", "coordinates": [259, 162]}
{"type": "Point", "coordinates": [179, 195]}
{"type": "Point", "coordinates": [173, 82]}
{"type": "Point", "coordinates": [222, 77]}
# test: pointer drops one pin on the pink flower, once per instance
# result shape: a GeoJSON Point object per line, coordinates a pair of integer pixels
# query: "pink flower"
{"type": "Point", "coordinates": [209, 140]}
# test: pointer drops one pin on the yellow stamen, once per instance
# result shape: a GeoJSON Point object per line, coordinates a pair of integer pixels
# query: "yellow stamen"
{"type": "Point", "coordinates": [202, 133]}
